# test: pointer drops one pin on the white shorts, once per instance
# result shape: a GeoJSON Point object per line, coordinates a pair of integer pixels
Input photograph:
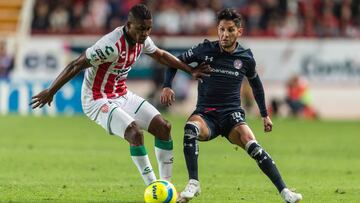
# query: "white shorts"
{"type": "Point", "coordinates": [115, 115]}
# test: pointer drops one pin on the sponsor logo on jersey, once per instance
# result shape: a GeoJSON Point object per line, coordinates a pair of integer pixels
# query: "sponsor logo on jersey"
{"type": "Point", "coordinates": [100, 54]}
{"type": "Point", "coordinates": [94, 57]}
{"type": "Point", "coordinates": [109, 49]}
{"type": "Point", "coordinates": [226, 72]}
{"type": "Point", "coordinates": [120, 71]}
{"type": "Point", "coordinates": [238, 64]}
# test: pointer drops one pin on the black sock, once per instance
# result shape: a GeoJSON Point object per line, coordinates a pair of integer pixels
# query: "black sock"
{"type": "Point", "coordinates": [191, 149]}
{"type": "Point", "coordinates": [266, 164]}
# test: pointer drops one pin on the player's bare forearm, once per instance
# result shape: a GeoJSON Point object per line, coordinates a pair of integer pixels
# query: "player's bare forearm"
{"type": "Point", "coordinates": [46, 96]}
{"type": "Point", "coordinates": [69, 72]}
{"type": "Point", "coordinates": [170, 60]}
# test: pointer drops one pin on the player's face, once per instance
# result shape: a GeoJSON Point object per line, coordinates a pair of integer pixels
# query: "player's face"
{"type": "Point", "coordinates": [228, 34]}
{"type": "Point", "coordinates": [140, 30]}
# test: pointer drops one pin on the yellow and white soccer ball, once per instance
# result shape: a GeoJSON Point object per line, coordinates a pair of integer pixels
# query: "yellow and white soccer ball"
{"type": "Point", "coordinates": [160, 191]}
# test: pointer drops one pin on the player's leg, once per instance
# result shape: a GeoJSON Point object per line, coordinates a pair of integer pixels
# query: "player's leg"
{"type": "Point", "coordinates": [196, 128]}
{"type": "Point", "coordinates": [149, 118]}
{"type": "Point", "coordinates": [117, 122]}
{"type": "Point", "coordinates": [242, 136]}
{"type": "Point", "coordinates": [160, 128]}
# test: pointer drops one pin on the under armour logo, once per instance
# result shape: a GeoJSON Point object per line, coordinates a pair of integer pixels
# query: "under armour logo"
{"type": "Point", "coordinates": [210, 59]}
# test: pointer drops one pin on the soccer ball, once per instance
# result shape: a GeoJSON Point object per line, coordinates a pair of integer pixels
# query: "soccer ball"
{"type": "Point", "coordinates": [160, 191]}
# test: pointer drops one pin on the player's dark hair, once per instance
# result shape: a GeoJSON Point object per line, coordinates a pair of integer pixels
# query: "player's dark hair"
{"type": "Point", "coordinates": [230, 14]}
{"type": "Point", "coordinates": [139, 12]}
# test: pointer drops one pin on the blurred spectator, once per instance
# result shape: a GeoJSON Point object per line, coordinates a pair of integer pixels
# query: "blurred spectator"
{"type": "Point", "coordinates": [97, 15]}
{"type": "Point", "coordinates": [59, 19]}
{"type": "Point", "coordinates": [167, 19]}
{"type": "Point", "coordinates": [41, 16]}
{"type": "Point", "coordinates": [264, 18]}
{"type": "Point", "coordinates": [205, 16]}
{"type": "Point", "coordinates": [6, 61]}
{"type": "Point", "coordinates": [299, 98]}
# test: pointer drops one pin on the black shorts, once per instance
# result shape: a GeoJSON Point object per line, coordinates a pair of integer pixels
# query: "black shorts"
{"type": "Point", "coordinates": [221, 121]}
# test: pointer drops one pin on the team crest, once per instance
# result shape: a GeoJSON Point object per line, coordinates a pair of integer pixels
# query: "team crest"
{"type": "Point", "coordinates": [105, 108]}
{"type": "Point", "coordinates": [238, 64]}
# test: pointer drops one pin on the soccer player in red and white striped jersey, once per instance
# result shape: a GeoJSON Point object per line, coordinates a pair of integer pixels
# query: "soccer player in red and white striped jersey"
{"type": "Point", "coordinates": [106, 99]}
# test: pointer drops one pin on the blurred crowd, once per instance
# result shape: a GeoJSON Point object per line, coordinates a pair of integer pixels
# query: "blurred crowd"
{"type": "Point", "coordinates": [265, 18]}
{"type": "Point", "coordinates": [6, 61]}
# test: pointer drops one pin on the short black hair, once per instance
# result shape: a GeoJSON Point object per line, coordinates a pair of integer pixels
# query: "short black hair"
{"type": "Point", "coordinates": [139, 12]}
{"type": "Point", "coordinates": [230, 14]}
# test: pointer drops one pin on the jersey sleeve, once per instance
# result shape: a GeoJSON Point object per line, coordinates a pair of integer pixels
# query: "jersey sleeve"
{"type": "Point", "coordinates": [256, 85]}
{"type": "Point", "coordinates": [251, 68]}
{"type": "Point", "coordinates": [102, 51]}
{"type": "Point", "coordinates": [149, 46]}
{"type": "Point", "coordinates": [191, 55]}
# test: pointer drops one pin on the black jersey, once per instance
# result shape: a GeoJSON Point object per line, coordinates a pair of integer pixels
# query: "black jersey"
{"type": "Point", "coordinates": [222, 88]}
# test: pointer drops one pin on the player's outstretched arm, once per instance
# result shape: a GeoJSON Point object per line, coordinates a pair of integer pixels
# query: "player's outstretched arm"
{"type": "Point", "coordinates": [170, 60]}
{"type": "Point", "coordinates": [167, 96]}
{"type": "Point", "coordinates": [71, 70]}
{"type": "Point", "coordinates": [258, 92]}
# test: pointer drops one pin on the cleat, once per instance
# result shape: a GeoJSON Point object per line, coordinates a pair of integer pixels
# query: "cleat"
{"type": "Point", "coordinates": [290, 196]}
{"type": "Point", "coordinates": [191, 190]}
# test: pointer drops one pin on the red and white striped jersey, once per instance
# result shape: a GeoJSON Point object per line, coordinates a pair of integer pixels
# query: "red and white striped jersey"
{"type": "Point", "coordinates": [112, 58]}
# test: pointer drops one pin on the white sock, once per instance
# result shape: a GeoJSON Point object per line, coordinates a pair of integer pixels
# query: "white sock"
{"type": "Point", "coordinates": [164, 156]}
{"type": "Point", "coordinates": [142, 162]}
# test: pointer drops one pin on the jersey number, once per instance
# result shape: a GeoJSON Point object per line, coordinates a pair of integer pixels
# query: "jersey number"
{"type": "Point", "coordinates": [237, 116]}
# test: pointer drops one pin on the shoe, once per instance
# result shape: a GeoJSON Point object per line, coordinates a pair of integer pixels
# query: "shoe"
{"type": "Point", "coordinates": [191, 190]}
{"type": "Point", "coordinates": [290, 196]}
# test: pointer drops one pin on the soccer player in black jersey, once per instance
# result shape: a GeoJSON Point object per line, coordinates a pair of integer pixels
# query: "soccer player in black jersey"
{"type": "Point", "coordinates": [218, 110]}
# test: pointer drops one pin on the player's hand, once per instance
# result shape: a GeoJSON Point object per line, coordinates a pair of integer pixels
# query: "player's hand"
{"type": "Point", "coordinates": [267, 124]}
{"type": "Point", "coordinates": [167, 96]}
{"type": "Point", "coordinates": [44, 97]}
{"type": "Point", "coordinates": [200, 71]}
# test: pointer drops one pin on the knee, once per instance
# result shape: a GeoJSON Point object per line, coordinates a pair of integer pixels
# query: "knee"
{"type": "Point", "coordinates": [166, 128]}
{"type": "Point", "coordinates": [191, 131]}
{"type": "Point", "coordinates": [162, 130]}
{"type": "Point", "coordinates": [134, 135]}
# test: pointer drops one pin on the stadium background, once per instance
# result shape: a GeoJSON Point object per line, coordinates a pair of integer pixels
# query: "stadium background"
{"type": "Point", "coordinates": [315, 39]}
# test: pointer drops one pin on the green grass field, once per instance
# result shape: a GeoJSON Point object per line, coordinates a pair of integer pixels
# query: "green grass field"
{"type": "Point", "coordinates": [71, 159]}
